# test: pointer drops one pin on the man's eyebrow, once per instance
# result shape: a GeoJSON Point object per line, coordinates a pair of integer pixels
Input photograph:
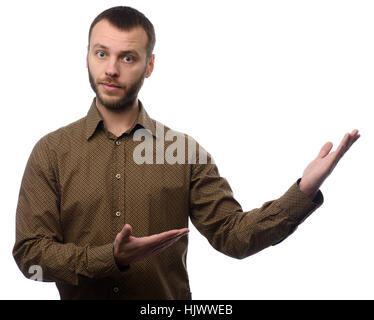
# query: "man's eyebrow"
{"type": "Point", "coordinates": [98, 45]}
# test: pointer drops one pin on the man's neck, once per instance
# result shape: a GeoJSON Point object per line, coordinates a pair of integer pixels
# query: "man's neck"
{"type": "Point", "coordinates": [118, 122]}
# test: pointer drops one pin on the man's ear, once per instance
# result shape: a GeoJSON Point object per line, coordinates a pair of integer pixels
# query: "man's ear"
{"type": "Point", "coordinates": [150, 66]}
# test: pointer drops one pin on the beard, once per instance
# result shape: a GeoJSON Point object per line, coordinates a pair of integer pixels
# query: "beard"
{"type": "Point", "coordinates": [127, 99]}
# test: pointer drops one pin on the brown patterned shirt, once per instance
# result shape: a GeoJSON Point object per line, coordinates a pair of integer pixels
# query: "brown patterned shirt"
{"type": "Point", "coordinates": [81, 185]}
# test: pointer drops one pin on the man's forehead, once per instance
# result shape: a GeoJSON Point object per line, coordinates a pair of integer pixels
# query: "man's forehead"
{"type": "Point", "coordinates": [104, 30]}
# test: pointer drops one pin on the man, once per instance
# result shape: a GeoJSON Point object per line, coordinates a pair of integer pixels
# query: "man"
{"type": "Point", "coordinates": [105, 220]}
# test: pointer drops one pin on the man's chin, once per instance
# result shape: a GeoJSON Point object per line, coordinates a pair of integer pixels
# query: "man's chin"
{"type": "Point", "coordinates": [116, 103]}
{"type": "Point", "coordinates": [109, 98]}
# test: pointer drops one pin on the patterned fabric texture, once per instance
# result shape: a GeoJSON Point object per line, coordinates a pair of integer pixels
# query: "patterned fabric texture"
{"type": "Point", "coordinates": [81, 185]}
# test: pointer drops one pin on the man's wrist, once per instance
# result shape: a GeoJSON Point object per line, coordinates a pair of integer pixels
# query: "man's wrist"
{"type": "Point", "coordinates": [120, 266]}
{"type": "Point", "coordinates": [311, 194]}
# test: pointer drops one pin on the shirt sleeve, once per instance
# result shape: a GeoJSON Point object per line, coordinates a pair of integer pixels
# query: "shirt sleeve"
{"type": "Point", "coordinates": [238, 234]}
{"type": "Point", "coordinates": [39, 236]}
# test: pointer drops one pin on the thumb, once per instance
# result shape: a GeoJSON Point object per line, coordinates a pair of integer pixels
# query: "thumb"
{"type": "Point", "coordinates": [126, 232]}
{"type": "Point", "coordinates": [325, 150]}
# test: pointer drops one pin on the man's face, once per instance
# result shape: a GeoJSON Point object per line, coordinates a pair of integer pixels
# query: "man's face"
{"type": "Point", "coordinates": [117, 58]}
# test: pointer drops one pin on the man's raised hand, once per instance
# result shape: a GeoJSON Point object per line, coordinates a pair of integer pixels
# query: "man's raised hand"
{"type": "Point", "coordinates": [320, 168]}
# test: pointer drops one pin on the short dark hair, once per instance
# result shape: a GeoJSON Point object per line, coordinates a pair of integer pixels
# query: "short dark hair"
{"type": "Point", "coordinates": [127, 18]}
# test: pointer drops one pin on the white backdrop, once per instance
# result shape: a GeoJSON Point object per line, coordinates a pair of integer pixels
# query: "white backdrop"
{"type": "Point", "coordinates": [272, 80]}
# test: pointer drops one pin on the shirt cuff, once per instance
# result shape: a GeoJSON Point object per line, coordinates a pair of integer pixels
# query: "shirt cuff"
{"type": "Point", "coordinates": [101, 263]}
{"type": "Point", "coordinates": [298, 204]}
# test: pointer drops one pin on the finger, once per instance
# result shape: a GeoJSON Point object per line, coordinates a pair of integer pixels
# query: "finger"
{"type": "Point", "coordinates": [169, 239]}
{"type": "Point", "coordinates": [125, 232]}
{"type": "Point", "coordinates": [162, 246]}
{"type": "Point", "coordinates": [355, 135]}
{"type": "Point", "coordinates": [175, 238]}
{"type": "Point", "coordinates": [343, 145]}
{"type": "Point", "coordinates": [165, 242]}
{"type": "Point", "coordinates": [325, 150]}
{"type": "Point", "coordinates": [354, 132]}
{"type": "Point", "coordinates": [160, 237]}
{"type": "Point", "coordinates": [351, 139]}
{"type": "Point", "coordinates": [155, 248]}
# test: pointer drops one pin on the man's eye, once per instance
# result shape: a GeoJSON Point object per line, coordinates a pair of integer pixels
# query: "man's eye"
{"type": "Point", "coordinates": [128, 59]}
{"type": "Point", "coordinates": [100, 54]}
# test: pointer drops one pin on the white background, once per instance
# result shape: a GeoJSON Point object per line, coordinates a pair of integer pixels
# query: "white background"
{"type": "Point", "coordinates": [271, 82]}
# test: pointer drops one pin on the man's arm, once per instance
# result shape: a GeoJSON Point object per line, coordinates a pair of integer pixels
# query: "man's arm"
{"type": "Point", "coordinates": [220, 218]}
{"type": "Point", "coordinates": [39, 236]}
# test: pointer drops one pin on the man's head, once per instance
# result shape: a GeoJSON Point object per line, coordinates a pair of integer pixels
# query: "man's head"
{"type": "Point", "coordinates": [119, 53]}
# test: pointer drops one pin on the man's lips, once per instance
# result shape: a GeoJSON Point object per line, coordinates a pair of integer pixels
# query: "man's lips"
{"type": "Point", "coordinates": [110, 86]}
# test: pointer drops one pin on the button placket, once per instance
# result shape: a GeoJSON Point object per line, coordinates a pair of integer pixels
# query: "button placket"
{"type": "Point", "coordinates": [118, 186]}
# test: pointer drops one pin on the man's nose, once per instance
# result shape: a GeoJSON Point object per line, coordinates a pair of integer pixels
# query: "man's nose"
{"type": "Point", "coordinates": [112, 68]}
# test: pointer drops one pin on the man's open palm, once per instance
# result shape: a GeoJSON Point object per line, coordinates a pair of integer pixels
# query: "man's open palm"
{"type": "Point", "coordinates": [320, 168]}
{"type": "Point", "coordinates": [129, 249]}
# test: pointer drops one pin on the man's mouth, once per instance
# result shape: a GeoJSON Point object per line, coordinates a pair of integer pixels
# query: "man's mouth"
{"type": "Point", "coordinates": [110, 87]}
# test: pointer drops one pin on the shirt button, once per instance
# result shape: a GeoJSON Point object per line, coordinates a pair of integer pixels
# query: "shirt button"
{"type": "Point", "coordinates": [118, 176]}
{"type": "Point", "coordinates": [118, 213]}
{"type": "Point", "coordinates": [115, 289]}
{"type": "Point", "coordinates": [118, 142]}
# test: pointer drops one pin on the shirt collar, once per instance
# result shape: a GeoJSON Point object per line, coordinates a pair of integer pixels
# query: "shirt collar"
{"type": "Point", "coordinates": [94, 118]}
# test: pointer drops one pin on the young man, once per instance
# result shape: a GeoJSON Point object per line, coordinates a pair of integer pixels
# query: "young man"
{"type": "Point", "coordinates": [104, 221]}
